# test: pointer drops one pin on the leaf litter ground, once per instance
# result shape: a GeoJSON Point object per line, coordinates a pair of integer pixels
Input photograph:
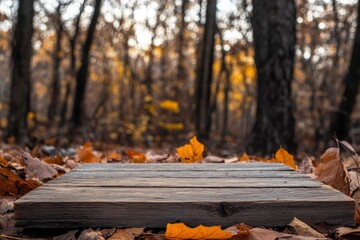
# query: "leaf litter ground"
{"type": "Point", "coordinates": [22, 170]}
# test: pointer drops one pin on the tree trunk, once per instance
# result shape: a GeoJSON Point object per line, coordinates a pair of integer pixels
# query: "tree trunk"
{"type": "Point", "coordinates": [274, 42]}
{"type": "Point", "coordinates": [68, 87]}
{"type": "Point", "coordinates": [342, 122]}
{"type": "Point", "coordinates": [21, 71]}
{"type": "Point", "coordinates": [82, 74]}
{"type": "Point", "coordinates": [204, 78]}
{"type": "Point", "coordinates": [54, 101]}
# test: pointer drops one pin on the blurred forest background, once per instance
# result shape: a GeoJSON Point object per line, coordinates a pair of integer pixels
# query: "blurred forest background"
{"type": "Point", "coordinates": [152, 72]}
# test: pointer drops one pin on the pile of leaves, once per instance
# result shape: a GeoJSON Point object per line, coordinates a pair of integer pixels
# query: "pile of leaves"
{"type": "Point", "coordinates": [22, 170]}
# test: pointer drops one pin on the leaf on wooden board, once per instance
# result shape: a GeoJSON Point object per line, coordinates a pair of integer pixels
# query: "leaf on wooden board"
{"type": "Point", "coordinates": [304, 230]}
{"type": "Point", "coordinates": [283, 156]}
{"type": "Point", "coordinates": [34, 168]}
{"type": "Point", "coordinates": [136, 157]}
{"type": "Point", "coordinates": [331, 171]}
{"type": "Point", "coordinates": [181, 231]}
{"type": "Point", "coordinates": [86, 154]}
{"type": "Point", "coordinates": [192, 152]}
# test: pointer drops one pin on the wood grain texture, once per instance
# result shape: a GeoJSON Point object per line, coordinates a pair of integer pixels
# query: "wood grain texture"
{"type": "Point", "coordinates": [152, 195]}
{"type": "Point", "coordinates": [186, 167]}
{"type": "Point", "coordinates": [184, 174]}
{"type": "Point", "coordinates": [185, 182]}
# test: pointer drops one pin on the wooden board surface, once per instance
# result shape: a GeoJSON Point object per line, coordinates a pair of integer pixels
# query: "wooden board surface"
{"type": "Point", "coordinates": [152, 195]}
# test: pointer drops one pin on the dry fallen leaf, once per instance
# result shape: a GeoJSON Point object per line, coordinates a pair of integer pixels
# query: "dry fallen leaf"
{"type": "Point", "coordinates": [90, 234]}
{"type": "Point", "coordinates": [181, 231]}
{"type": "Point", "coordinates": [349, 232]}
{"type": "Point", "coordinates": [282, 156]}
{"type": "Point", "coordinates": [126, 234]}
{"type": "Point", "coordinates": [86, 154]}
{"type": "Point", "coordinates": [192, 152]}
{"type": "Point", "coordinates": [304, 230]}
{"type": "Point", "coordinates": [331, 171]}
{"type": "Point", "coordinates": [244, 157]}
{"type": "Point", "coordinates": [213, 159]}
{"type": "Point", "coordinates": [34, 168]}
{"type": "Point", "coordinates": [58, 159]}
{"type": "Point", "coordinates": [262, 234]}
{"type": "Point", "coordinates": [114, 156]}
{"type": "Point", "coordinates": [136, 157]}
{"type": "Point", "coordinates": [12, 184]}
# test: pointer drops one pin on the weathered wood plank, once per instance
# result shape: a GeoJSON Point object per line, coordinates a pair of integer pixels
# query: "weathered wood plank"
{"type": "Point", "coordinates": [185, 167]}
{"type": "Point", "coordinates": [125, 207]}
{"type": "Point", "coordinates": [152, 196]}
{"type": "Point", "coordinates": [185, 182]}
{"type": "Point", "coordinates": [142, 195]}
{"type": "Point", "coordinates": [186, 174]}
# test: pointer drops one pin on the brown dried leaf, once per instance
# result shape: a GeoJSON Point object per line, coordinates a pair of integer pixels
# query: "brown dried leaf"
{"type": "Point", "coordinates": [331, 171]}
{"type": "Point", "coordinates": [346, 231]}
{"type": "Point", "coordinates": [34, 168]}
{"type": "Point", "coordinates": [58, 160]}
{"type": "Point", "coordinates": [121, 234]}
{"type": "Point", "coordinates": [12, 184]}
{"type": "Point", "coordinates": [304, 230]}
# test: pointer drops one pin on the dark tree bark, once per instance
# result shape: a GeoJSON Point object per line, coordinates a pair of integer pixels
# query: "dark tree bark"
{"type": "Point", "coordinates": [342, 122]}
{"type": "Point", "coordinates": [181, 73]}
{"type": "Point", "coordinates": [82, 74]}
{"type": "Point", "coordinates": [73, 39]}
{"type": "Point", "coordinates": [204, 78]}
{"type": "Point", "coordinates": [21, 71]}
{"type": "Point", "coordinates": [274, 42]}
{"type": "Point", "coordinates": [55, 86]}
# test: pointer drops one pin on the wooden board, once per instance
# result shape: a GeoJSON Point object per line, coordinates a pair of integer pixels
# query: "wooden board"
{"type": "Point", "coordinates": [152, 195]}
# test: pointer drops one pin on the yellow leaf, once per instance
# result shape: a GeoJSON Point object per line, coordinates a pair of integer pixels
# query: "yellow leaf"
{"type": "Point", "coordinates": [170, 105]}
{"type": "Point", "coordinates": [198, 148]}
{"type": "Point", "coordinates": [192, 152]}
{"type": "Point", "coordinates": [181, 231]}
{"type": "Point", "coordinates": [282, 156]}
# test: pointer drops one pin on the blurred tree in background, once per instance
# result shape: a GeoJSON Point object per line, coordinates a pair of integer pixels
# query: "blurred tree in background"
{"type": "Point", "coordinates": [158, 72]}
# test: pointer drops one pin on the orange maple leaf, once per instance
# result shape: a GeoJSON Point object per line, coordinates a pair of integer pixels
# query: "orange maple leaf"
{"type": "Point", "coordinates": [86, 154]}
{"type": "Point", "coordinates": [181, 231]}
{"type": "Point", "coordinates": [136, 157]}
{"type": "Point", "coordinates": [192, 152]}
{"type": "Point", "coordinates": [283, 156]}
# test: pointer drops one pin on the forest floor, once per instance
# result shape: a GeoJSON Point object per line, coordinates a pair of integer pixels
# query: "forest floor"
{"type": "Point", "coordinates": [22, 169]}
